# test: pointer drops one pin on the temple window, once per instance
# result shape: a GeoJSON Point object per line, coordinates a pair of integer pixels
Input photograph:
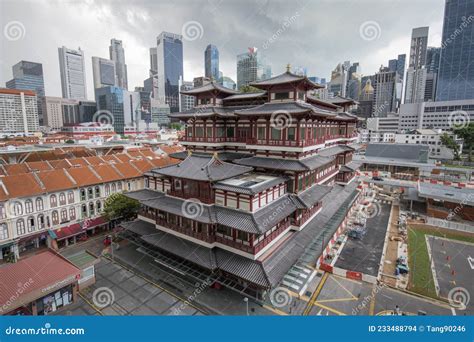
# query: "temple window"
{"type": "Point", "coordinates": [291, 133]}
{"type": "Point", "coordinates": [276, 134]}
{"type": "Point", "coordinates": [282, 96]}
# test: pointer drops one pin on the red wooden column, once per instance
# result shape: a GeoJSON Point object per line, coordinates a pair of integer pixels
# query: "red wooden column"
{"type": "Point", "coordinates": [194, 130]}
{"type": "Point", "coordinates": [205, 130]}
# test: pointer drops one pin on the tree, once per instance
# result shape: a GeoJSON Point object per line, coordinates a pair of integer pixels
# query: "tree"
{"type": "Point", "coordinates": [467, 134]}
{"type": "Point", "coordinates": [176, 125]}
{"type": "Point", "coordinates": [449, 142]}
{"type": "Point", "coordinates": [120, 206]}
{"type": "Point", "coordinates": [249, 89]}
{"type": "Point", "coordinates": [69, 141]}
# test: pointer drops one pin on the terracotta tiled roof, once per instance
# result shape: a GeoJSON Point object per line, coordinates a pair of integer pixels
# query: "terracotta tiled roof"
{"type": "Point", "coordinates": [78, 161]}
{"type": "Point", "coordinates": [134, 153]}
{"type": "Point", "coordinates": [165, 161]}
{"type": "Point", "coordinates": [171, 149]}
{"type": "Point", "coordinates": [127, 170]}
{"type": "Point", "coordinates": [60, 164]}
{"type": "Point", "coordinates": [34, 274]}
{"type": "Point", "coordinates": [143, 165]}
{"type": "Point", "coordinates": [123, 157]}
{"type": "Point", "coordinates": [83, 176]}
{"type": "Point", "coordinates": [39, 166]}
{"type": "Point", "coordinates": [55, 180]}
{"type": "Point", "coordinates": [107, 173]}
{"type": "Point", "coordinates": [112, 158]}
{"type": "Point", "coordinates": [22, 185]}
{"type": "Point", "coordinates": [16, 169]}
{"type": "Point", "coordinates": [94, 160]}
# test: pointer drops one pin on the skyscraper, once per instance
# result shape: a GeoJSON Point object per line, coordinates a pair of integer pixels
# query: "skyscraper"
{"type": "Point", "coordinates": [104, 73]}
{"type": "Point", "coordinates": [417, 73]}
{"type": "Point", "coordinates": [73, 75]}
{"type": "Point", "coordinates": [418, 47]}
{"type": "Point", "coordinates": [169, 67]}
{"type": "Point", "coordinates": [385, 92]}
{"type": "Point", "coordinates": [111, 100]}
{"type": "Point", "coordinates": [456, 74]}
{"type": "Point", "coordinates": [339, 78]}
{"type": "Point", "coordinates": [117, 54]}
{"type": "Point", "coordinates": [18, 111]}
{"type": "Point", "coordinates": [29, 76]}
{"type": "Point", "coordinates": [211, 62]}
{"type": "Point", "coordinates": [432, 67]}
{"type": "Point", "coordinates": [251, 67]}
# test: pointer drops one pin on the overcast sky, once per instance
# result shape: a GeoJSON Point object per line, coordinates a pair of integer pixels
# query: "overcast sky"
{"type": "Point", "coordinates": [316, 34]}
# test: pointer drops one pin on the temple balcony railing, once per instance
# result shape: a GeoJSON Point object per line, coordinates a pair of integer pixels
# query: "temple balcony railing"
{"type": "Point", "coordinates": [285, 143]}
{"type": "Point", "coordinates": [186, 231]}
{"type": "Point", "coordinates": [266, 240]}
{"type": "Point", "coordinates": [213, 139]}
{"type": "Point", "coordinates": [179, 194]}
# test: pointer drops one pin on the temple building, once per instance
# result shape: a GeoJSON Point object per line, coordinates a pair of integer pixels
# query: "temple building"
{"type": "Point", "coordinates": [265, 184]}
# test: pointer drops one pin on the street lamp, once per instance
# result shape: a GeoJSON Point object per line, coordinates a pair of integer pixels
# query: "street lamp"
{"type": "Point", "coordinates": [246, 300]}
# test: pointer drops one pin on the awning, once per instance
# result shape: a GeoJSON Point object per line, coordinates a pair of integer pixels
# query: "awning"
{"type": "Point", "coordinates": [64, 232]}
{"type": "Point", "coordinates": [32, 237]}
{"type": "Point", "coordinates": [78, 228]}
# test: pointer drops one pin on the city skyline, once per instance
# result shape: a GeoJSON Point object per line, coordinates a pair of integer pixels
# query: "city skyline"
{"type": "Point", "coordinates": [277, 36]}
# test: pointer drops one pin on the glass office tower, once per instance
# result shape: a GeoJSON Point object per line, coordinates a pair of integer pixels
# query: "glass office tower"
{"type": "Point", "coordinates": [456, 74]}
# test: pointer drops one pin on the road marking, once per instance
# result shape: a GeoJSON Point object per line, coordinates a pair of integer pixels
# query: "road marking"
{"type": "Point", "coordinates": [278, 312]}
{"type": "Point", "coordinates": [453, 311]}
{"type": "Point", "coordinates": [337, 312]}
{"type": "Point", "coordinates": [344, 288]}
{"type": "Point", "coordinates": [336, 300]}
{"type": "Point", "coordinates": [315, 295]}
{"type": "Point", "coordinates": [372, 302]}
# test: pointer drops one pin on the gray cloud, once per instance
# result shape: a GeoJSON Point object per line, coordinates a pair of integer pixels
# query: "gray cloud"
{"type": "Point", "coordinates": [316, 34]}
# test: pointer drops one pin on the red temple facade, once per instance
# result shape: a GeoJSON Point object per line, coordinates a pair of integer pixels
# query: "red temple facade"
{"type": "Point", "coordinates": [256, 173]}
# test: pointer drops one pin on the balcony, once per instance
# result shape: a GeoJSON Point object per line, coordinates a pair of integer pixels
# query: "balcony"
{"type": "Point", "coordinates": [285, 143]}
{"type": "Point", "coordinates": [213, 140]}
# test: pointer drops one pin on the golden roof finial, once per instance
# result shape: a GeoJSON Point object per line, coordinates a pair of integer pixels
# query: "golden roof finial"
{"type": "Point", "coordinates": [215, 155]}
{"type": "Point", "coordinates": [288, 67]}
{"type": "Point", "coordinates": [189, 153]}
